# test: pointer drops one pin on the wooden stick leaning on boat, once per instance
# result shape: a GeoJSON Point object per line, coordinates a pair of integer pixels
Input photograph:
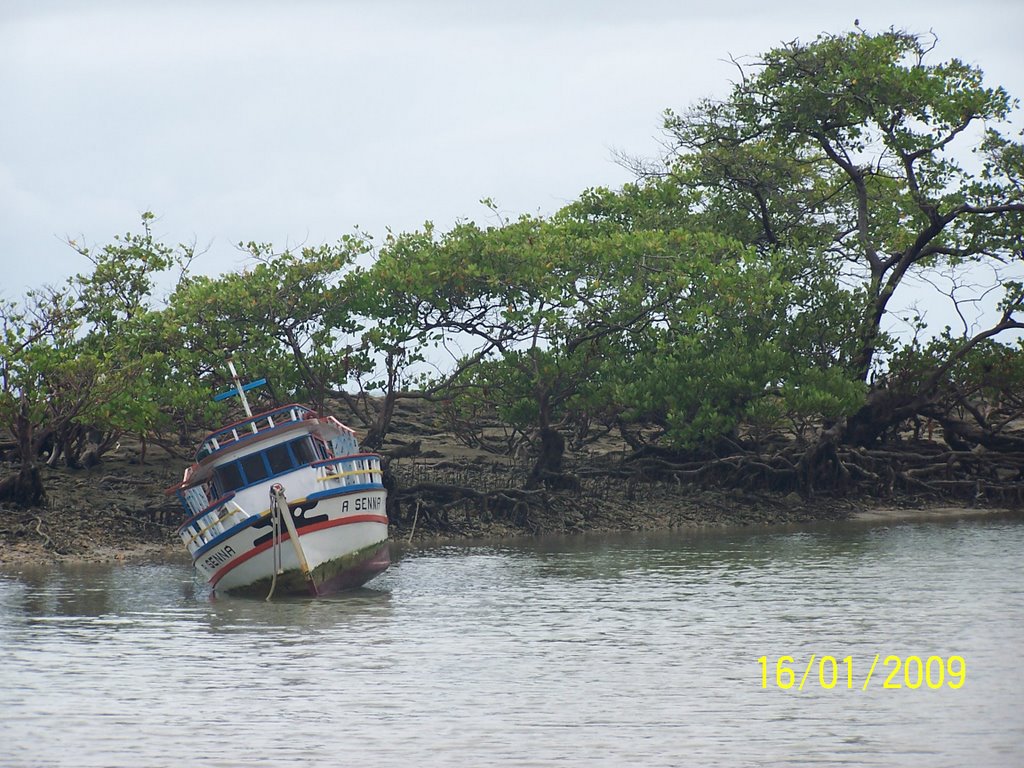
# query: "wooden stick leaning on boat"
{"type": "Point", "coordinates": [279, 506]}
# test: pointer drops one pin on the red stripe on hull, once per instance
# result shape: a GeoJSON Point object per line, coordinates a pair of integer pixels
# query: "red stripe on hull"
{"type": "Point", "coordinates": [285, 537]}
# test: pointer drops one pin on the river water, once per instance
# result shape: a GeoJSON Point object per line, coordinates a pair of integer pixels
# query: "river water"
{"type": "Point", "coordinates": [637, 650]}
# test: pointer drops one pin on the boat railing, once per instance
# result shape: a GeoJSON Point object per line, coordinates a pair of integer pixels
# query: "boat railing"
{"type": "Point", "coordinates": [361, 469]}
{"type": "Point", "coordinates": [343, 427]}
{"type": "Point", "coordinates": [252, 426]}
{"type": "Point", "coordinates": [205, 527]}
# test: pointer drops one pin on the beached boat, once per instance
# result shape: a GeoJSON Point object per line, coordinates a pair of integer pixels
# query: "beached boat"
{"type": "Point", "coordinates": [284, 502]}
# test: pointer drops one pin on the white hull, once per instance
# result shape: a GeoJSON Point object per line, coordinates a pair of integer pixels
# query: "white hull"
{"type": "Point", "coordinates": [321, 548]}
{"type": "Point", "coordinates": [348, 535]}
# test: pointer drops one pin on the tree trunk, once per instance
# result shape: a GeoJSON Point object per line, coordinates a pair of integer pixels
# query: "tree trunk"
{"type": "Point", "coordinates": [382, 424]}
{"type": "Point", "coordinates": [882, 409]}
{"type": "Point", "coordinates": [548, 467]}
{"type": "Point", "coordinates": [963, 436]}
{"type": "Point", "coordinates": [24, 489]}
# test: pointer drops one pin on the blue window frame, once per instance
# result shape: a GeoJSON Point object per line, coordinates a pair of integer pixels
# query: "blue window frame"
{"type": "Point", "coordinates": [256, 467]}
{"type": "Point", "coordinates": [229, 478]}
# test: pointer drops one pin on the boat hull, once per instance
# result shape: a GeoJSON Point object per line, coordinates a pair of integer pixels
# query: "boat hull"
{"type": "Point", "coordinates": [337, 575]}
{"type": "Point", "coordinates": [342, 550]}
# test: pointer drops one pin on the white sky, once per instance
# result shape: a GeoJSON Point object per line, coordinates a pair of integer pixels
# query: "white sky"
{"type": "Point", "coordinates": [293, 122]}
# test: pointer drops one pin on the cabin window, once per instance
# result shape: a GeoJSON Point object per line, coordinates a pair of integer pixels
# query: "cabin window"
{"type": "Point", "coordinates": [274, 461]}
{"type": "Point", "coordinates": [303, 451]}
{"type": "Point", "coordinates": [229, 477]}
{"type": "Point", "coordinates": [279, 459]}
{"type": "Point", "coordinates": [254, 468]}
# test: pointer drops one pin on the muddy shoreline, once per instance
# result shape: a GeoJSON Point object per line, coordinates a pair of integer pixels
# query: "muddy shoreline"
{"type": "Point", "coordinates": [117, 512]}
{"type": "Point", "coordinates": [443, 487]}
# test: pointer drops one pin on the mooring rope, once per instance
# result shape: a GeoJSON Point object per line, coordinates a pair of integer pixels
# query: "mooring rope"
{"type": "Point", "coordinates": [275, 538]}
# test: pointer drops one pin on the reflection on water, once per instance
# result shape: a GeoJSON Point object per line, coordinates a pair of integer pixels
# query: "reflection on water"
{"type": "Point", "coordinates": [610, 650]}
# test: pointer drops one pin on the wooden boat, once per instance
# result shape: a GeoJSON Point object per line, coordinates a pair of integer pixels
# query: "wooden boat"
{"type": "Point", "coordinates": [284, 502]}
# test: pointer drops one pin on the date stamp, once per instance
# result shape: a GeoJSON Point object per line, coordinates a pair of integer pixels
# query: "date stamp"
{"type": "Point", "coordinates": [829, 672]}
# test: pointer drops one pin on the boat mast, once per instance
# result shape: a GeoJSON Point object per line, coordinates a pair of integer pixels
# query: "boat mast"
{"type": "Point", "coordinates": [241, 393]}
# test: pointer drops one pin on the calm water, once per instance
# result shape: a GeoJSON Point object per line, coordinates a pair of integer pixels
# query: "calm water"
{"type": "Point", "coordinates": [634, 650]}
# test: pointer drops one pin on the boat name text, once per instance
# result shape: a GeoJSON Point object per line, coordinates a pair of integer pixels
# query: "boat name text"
{"type": "Point", "coordinates": [364, 504]}
{"type": "Point", "coordinates": [219, 557]}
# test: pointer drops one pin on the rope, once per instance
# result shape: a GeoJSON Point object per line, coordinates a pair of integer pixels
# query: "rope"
{"type": "Point", "coordinates": [275, 537]}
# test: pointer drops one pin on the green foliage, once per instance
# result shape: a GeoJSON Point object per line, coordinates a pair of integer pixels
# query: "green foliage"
{"type": "Point", "coordinates": [85, 362]}
{"type": "Point", "coordinates": [122, 278]}
{"type": "Point", "coordinates": [283, 317]}
{"type": "Point", "coordinates": [846, 150]}
{"type": "Point", "coordinates": [729, 347]}
{"type": "Point", "coordinates": [989, 375]}
{"type": "Point", "coordinates": [609, 310]}
{"type": "Point", "coordinates": [38, 344]}
{"type": "Point", "coordinates": [821, 395]}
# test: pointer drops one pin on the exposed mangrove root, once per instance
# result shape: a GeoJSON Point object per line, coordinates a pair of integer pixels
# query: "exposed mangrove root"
{"type": "Point", "coordinates": [433, 503]}
{"type": "Point", "coordinates": [47, 542]}
{"type": "Point", "coordinates": [833, 469]}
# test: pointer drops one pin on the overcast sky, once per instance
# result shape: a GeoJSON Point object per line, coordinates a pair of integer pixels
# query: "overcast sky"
{"type": "Point", "coordinates": [294, 122]}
